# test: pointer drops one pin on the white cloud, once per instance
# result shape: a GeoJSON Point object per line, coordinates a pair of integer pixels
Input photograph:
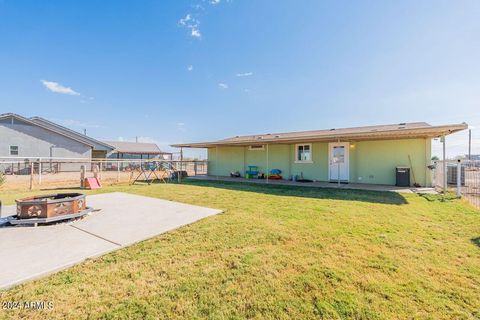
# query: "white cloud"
{"type": "Point", "coordinates": [181, 126]}
{"type": "Point", "coordinates": [184, 21]}
{"type": "Point", "coordinates": [189, 67]}
{"type": "Point", "coordinates": [195, 32]}
{"type": "Point", "coordinates": [75, 123]}
{"type": "Point", "coordinates": [191, 23]}
{"type": "Point", "coordinates": [246, 74]}
{"type": "Point", "coordinates": [223, 85]}
{"type": "Point", "coordinates": [214, 2]}
{"type": "Point", "coordinates": [58, 88]}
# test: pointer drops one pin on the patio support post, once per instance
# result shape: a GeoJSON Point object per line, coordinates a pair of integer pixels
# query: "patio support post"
{"type": "Point", "coordinates": [338, 168]}
{"type": "Point", "coordinates": [267, 163]}
{"type": "Point", "coordinates": [444, 166]}
{"type": "Point", "coordinates": [216, 161]}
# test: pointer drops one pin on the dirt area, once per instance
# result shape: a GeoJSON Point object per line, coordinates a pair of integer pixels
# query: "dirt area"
{"type": "Point", "coordinates": [67, 179]}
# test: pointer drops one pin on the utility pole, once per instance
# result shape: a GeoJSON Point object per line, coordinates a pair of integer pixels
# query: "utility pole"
{"type": "Point", "coordinates": [469, 144]}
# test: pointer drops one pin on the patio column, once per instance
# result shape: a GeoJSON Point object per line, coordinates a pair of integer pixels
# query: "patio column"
{"type": "Point", "coordinates": [444, 166]}
{"type": "Point", "coordinates": [267, 163]}
{"type": "Point", "coordinates": [216, 161]}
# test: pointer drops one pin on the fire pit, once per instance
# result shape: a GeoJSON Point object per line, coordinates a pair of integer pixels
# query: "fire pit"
{"type": "Point", "coordinates": [50, 208]}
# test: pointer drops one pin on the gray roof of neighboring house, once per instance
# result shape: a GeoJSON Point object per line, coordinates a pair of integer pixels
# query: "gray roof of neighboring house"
{"type": "Point", "coordinates": [97, 144]}
{"type": "Point", "coordinates": [378, 132]}
{"type": "Point", "coordinates": [135, 147]}
{"type": "Point", "coordinates": [49, 128]}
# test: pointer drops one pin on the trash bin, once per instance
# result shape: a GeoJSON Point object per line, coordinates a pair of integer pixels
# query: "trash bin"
{"type": "Point", "coordinates": [402, 176]}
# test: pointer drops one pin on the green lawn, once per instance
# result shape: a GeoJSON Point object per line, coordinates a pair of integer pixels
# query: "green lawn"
{"type": "Point", "coordinates": [280, 252]}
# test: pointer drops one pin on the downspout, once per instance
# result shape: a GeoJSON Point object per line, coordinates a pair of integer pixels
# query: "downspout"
{"type": "Point", "coordinates": [216, 162]}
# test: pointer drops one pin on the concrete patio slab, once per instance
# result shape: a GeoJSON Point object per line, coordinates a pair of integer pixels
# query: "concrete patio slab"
{"type": "Point", "coordinates": [27, 253]}
{"type": "Point", "coordinates": [127, 218]}
{"type": "Point", "coordinates": [31, 252]}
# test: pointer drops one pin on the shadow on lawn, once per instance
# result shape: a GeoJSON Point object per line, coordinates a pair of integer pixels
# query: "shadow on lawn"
{"type": "Point", "coordinates": [385, 197]}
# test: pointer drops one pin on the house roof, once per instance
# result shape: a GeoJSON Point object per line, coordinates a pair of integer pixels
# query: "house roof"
{"type": "Point", "coordinates": [44, 126]}
{"type": "Point", "coordinates": [378, 132]}
{"type": "Point", "coordinates": [82, 137]}
{"type": "Point", "coordinates": [135, 147]}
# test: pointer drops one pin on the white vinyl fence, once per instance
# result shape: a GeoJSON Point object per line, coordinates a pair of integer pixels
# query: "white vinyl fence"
{"type": "Point", "coordinates": [33, 173]}
{"type": "Point", "coordinates": [461, 177]}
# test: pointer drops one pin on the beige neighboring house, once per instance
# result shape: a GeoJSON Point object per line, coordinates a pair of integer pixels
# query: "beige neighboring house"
{"type": "Point", "coordinates": [136, 150]}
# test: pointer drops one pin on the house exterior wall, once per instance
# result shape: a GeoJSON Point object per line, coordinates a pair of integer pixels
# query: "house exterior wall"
{"type": "Point", "coordinates": [371, 162]}
{"type": "Point", "coordinates": [34, 141]}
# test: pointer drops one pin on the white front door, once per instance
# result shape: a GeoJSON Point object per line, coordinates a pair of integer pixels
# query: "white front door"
{"type": "Point", "coordinates": [338, 161]}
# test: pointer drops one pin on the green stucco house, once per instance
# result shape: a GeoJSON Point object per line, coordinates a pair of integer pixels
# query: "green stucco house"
{"type": "Point", "coordinates": [357, 155]}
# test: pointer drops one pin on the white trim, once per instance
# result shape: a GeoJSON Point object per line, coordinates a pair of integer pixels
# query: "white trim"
{"type": "Point", "coordinates": [347, 158]}
{"type": "Point", "coordinates": [256, 147]}
{"type": "Point", "coordinates": [296, 153]}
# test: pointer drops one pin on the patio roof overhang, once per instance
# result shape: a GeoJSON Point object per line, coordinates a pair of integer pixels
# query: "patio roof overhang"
{"type": "Point", "coordinates": [388, 132]}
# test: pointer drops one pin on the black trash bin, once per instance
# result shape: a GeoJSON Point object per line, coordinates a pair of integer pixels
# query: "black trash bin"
{"type": "Point", "coordinates": [402, 176]}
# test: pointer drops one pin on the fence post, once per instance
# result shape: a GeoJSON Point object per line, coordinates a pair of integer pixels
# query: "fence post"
{"type": "Point", "coordinates": [40, 171]}
{"type": "Point", "coordinates": [82, 176]}
{"type": "Point", "coordinates": [95, 171]}
{"type": "Point", "coordinates": [459, 178]}
{"type": "Point", "coordinates": [31, 175]}
{"type": "Point", "coordinates": [179, 171]}
{"type": "Point", "coordinates": [195, 168]}
{"type": "Point", "coordinates": [118, 172]}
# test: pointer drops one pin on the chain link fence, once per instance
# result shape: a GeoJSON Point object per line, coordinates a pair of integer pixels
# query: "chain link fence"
{"type": "Point", "coordinates": [459, 176]}
{"type": "Point", "coordinates": [32, 173]}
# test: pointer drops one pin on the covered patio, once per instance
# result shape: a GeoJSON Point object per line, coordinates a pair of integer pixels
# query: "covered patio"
{"type": "Point", "coordinates": [364, 157]}
{"type": "Point", "coordinates": [320, 184]}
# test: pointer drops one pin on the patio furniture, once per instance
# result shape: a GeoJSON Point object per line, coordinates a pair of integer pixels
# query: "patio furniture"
{"type": "Point", "coordinates": [252, 172]}
{"type": "Point", "coordinates": [275, 174]}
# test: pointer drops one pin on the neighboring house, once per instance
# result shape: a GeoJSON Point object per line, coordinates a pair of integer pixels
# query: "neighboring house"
{"type": "Point", "coordinates": [36, 137]}
{"type": "Point", "coordinates": [473, 157]}
{"type": "Point", "coordinates": [136, 150]}
{"type": "Point", "coordinates": [358, 155]}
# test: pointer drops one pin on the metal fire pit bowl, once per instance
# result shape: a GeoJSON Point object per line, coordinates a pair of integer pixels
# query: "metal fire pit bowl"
{"type": "Point", "coordinates": [49, 208]}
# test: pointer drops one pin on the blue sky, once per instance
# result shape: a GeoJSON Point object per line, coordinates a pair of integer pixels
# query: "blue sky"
{"type": "Point", "coordinates": [185, 71]}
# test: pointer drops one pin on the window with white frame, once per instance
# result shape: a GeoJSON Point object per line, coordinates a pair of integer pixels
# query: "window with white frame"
{"type": "Point", "coordinates": [14, 150]}
{"type": "Point", "coordinates": [303, 152]}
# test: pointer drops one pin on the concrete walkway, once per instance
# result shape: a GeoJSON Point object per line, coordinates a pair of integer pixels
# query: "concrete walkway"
{"type": "Point", "coordinates": [31, 252]}
{"type": "Point", "coordinates": [321, 184]}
